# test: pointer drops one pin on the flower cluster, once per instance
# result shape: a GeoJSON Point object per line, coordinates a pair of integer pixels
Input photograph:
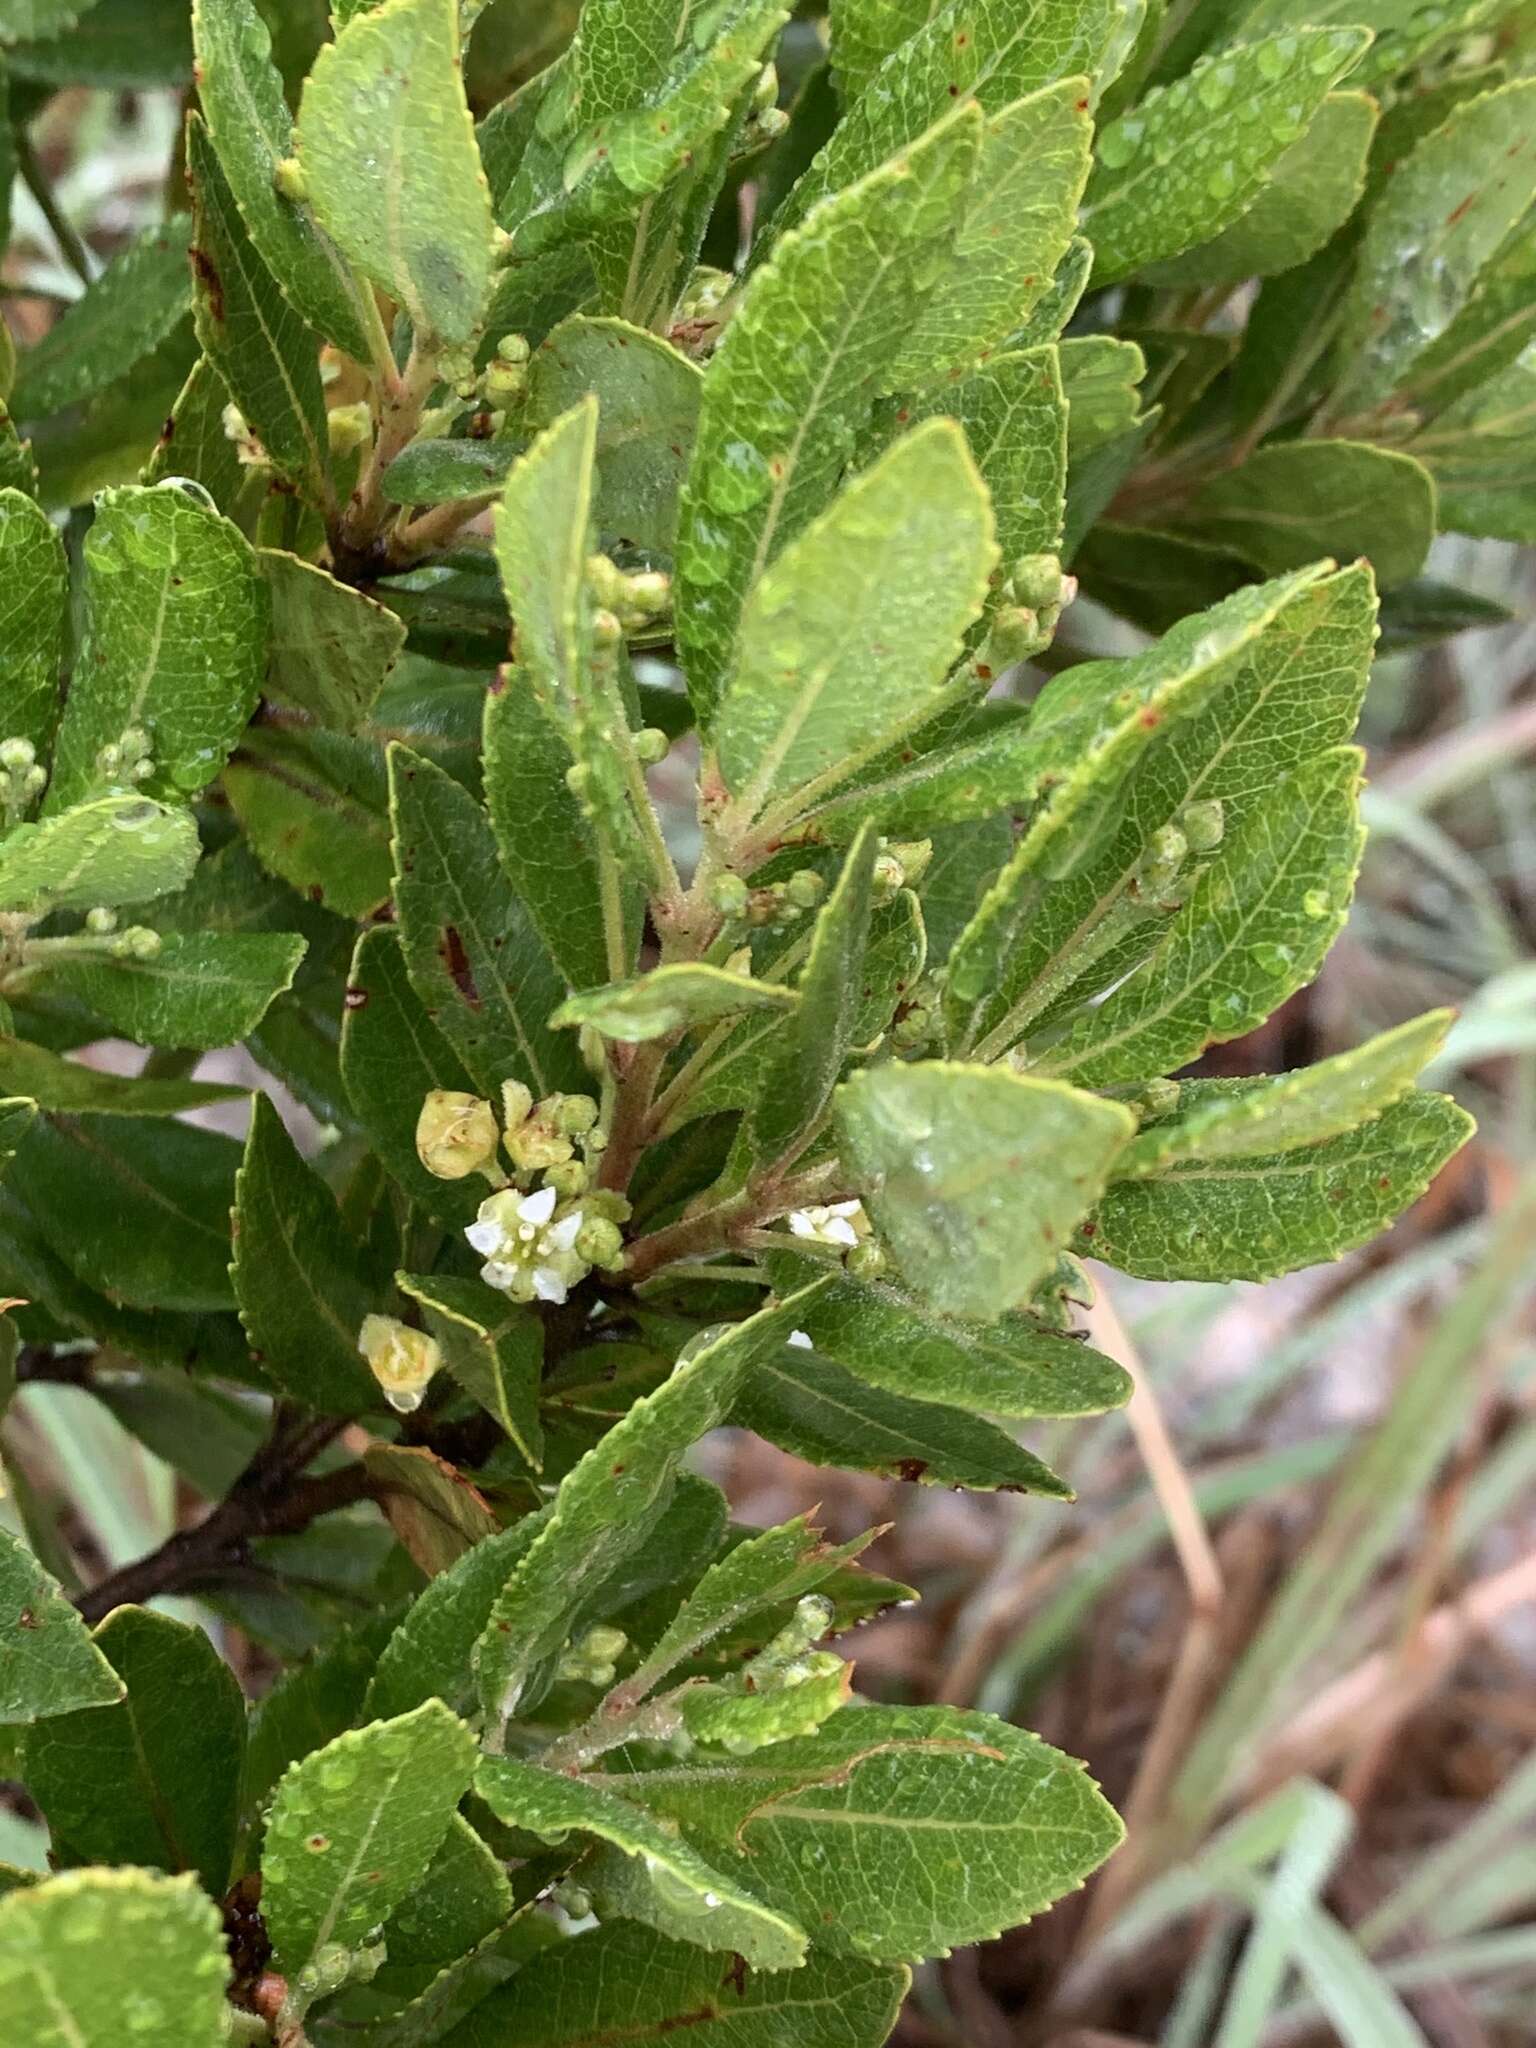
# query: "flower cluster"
{"type": "Point", "coordinates": [536, 1248]}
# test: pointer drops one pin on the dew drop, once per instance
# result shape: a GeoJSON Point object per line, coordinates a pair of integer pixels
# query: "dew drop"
{"type": "Point", "coordinates": [404, 1400]}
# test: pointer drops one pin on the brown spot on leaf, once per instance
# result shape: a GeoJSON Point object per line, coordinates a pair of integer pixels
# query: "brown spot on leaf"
{"type": "Point", "coordinates": [452, 953]}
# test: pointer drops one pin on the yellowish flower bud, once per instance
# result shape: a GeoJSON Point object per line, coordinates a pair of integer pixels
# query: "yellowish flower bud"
{"type": "Point", "coordinates": [401, 1359]}
{"type": "Point", "coordinates": [456, 1134]}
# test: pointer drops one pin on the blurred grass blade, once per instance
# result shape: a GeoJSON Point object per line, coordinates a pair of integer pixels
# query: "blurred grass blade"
{"type": "Point", "coordinates": [1324, 1825]}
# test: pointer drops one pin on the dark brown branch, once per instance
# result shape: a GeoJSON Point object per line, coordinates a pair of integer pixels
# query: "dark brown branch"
{"type": "Point", "coordinates": [270, 1498]}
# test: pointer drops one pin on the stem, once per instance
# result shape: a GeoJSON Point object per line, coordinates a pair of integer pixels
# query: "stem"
{"type": "Point", "coordinates": [612, 897]}
{"type": "Point", "coordinates": [630, 1128]}
{"type": "Point", "coordinates": [436, 529]}
{"type": "Point", "coordinates": [268, 1499]}
{"type": "Point", "coordinates": [402, 400]}
{"type": "Point", "coordinates": [71, 247]}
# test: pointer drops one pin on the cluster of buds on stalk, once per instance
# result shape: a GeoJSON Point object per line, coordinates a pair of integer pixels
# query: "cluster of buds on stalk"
{"type": "Point", "coordinates": [1171, 863]}
{"type": "Point", "coordinates": [1034, 595]}
{"type": "Point", "coordinates": [22, 777]}
{"type": "Point", "coordinates": [537, 1241]}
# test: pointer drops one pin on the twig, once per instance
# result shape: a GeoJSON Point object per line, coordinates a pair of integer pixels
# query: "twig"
{"type": "Point", "coordinates": [71, 247]}
{"type": "Point", "coordinates": [1191, 1675]}
{"type": "Point", "coordinates": [268, 1499]}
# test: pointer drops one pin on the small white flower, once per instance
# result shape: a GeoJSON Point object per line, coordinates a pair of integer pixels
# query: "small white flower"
{"type": "Point", "coordinates": [529, 1252]}
{"type": "Point", "coordinates": [799, 1340]}
{"type": "Point", "coordinates": [836, 1223]}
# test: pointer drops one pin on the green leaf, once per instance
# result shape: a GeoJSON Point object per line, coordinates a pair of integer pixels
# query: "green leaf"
{"type": "Point", "coordinates": [1223, 708]}
{"type": "Point", "coordinates": [1443, 216]}
{"type": "Point", "coordinates": [314, 809]}
{"type": "Point", "coordinates": [174, 644]}
{"type": "Point", "coordinates": [193, 442]}
{"type": "Point", "coordinates": [543, 539]}
{"type": "Point", "coordinates": [137, 303]}
{"type": "Point", "coordinates": [625, 1981]}
{"type": "Point", "coordinates": [648, 410]}
{"type": "Point", "coordinates": [865, 32]}
{"type": "Point", "coordinates": [809, 1051]}
{"type": "Point", "coordinates": [354, 1826]}
{"type": "Point", "coordinates": [714, 1910]}
{"type": "Point", "coordinates": [987, 50]}
{"type": "Point", "coordinates": [809, 1406]}
{"type": "Point", "coordinates": [493, 1348]}
{"type": "Point", "coordinates": [241, 95]}
{"type": "Point", "coordinates": [1030, 176]}
{"type": "Point", "coordinates": [1288, 504]}
{"type": "Point", "coordinates": [1011, 1367]}
{"type": "Point", "coordinates": [430, 1653]}
{"type": "Point", "coordinates": [464, 1897]}
{"type": "Point", "coordinates": [57, 1083]}
{"type": "Point", "coordinates": [302, 1286]}
{"type": "Point", "coordinates": [391, 167]}
{"type": "Point", "coordinates": [392, 1057]}
{"type": "Point", "coordinates": [1100, 379]}
{"type": "Point", "coordinates": [957, 1824]}
{"type": "Point", "coordinates": [1254, 927]}
{"type": "Point", "coordinates": [1480, 452]}
{"type": "Point", "coordinates": [158, 1961]}
{"type": "Point", "coordinates": [1252, 1215]}
{"type": "Point", "coordinates": [154, 1779]}
{"type": "Point", "coordinates": [48, 1662]}
{"type": "Point", "coordinates": [1237, 1121]}
{"type": "Point", "coordinates": [441, 472]}
{"type": "Point", "coordinates": [1488, 335]}
{"type": "Point", "coordinates": [881, 587]}
{"type": "Point", "coordinates": [1014, 413]}
{"type": "Point", "coordinates": [472, 954]}
{"type": "Point", "coordinates": [309, 1704]}
{"type": "Point", "coordinates": [672, 999]}
{"type": "Point", "coordinates": [35, 577]}
{"type": "Point", "coordinates": [1193, 156]}
{"type": "Point", "coordinates": [941, 1154]}
{"type": "Point", "coordinates": [806, 354]}
{"type": "Point", "coordinates": [772, 1569]}
{"type": "Point", "coordinates": [201, 990]}
{"type": "Point", "coordinates": [331, 647]}
{"type": "Point", "coordinates": [117, 850]}
{"type": "Point", "coordinates": [136, 1206]}
{"type": "Point", "coordinates": [1311, 192]}
{"type": "Point", "coordinates": [608, 1505]}
{"type": "Point", "coordinates": [261, 348]}
{"type": "Point", "coordinates": [547, 843]}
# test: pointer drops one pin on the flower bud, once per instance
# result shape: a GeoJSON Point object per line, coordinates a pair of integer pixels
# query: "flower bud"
{"type": "Point", "coordinates": [570, 1114]}
{"type": "Point", "coordinates": [729, 895]}
{"type": "Point", "coordinates": [456, 1134]}
{"type": "Point", "coordinates": [101, 920]}
{"type": "Point", "coordinates": [651, 746]}
{"type": "Point", "coordinates": [805, 888]}
{"type": "Point", "coordinates": [516, 1103]}
{"type": "Point", "coordinates": [914, 855]}
{"type": "Point", "coordinates": [1036, 581]}
{"type": "Point", "coordinates": [348, 427]}
{"type": "Point", "coordinates": [17, 755]}
{"type": "Point", "coordinates": [401, 1359]}
{"type": "Point", "coordinates": [568, 1178]}
{"type": "Point", "coordinates": [866, 1261]}
{"type": "Point", "coordinates": [600, 1243]}
{"type": "Point", "coordinates": [288, 177]}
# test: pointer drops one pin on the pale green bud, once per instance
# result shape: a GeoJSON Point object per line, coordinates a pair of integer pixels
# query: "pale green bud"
{"type": "Point", "coordinates": [866, 1261]}
{"type": "Point", "coordinates": [288, 177]}
{"type": "Point", "coordinates": [569, 1178]}
{"type": "Point", "coordinates": [570, 1114]}
{"type": "Point", "coordinates": [348, 427]}
{"type": "Point", "coordinates": [600, 1243]}
{"type": "Point", "coordinates": [1036, 581]}
{"type": "Point", "coordinates": [805, 888]}
{"type": "Point", "coordinates": [914, 855]}
{"type": "Point", "coordinates": [137, 943]}
{"type": "Point", "coordinates": [729, 895]}
{"type": "Point", "coordinates": [101, 920]}
{"type": "Point", "coordinates": [513, 348]}
{"type": "Point", "coordinates": [17, 755]}
{"type": "Point", "coordinates": [651, 746]}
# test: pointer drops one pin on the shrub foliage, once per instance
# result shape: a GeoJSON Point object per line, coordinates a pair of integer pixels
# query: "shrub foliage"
{"type": "Point", "coordinates": [551, 406]}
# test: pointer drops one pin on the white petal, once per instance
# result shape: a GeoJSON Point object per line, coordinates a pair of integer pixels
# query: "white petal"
{"type": "Point", "coordinates": [486, 1238]}
{"type": "Point", "coordinates": [845, 1208]}
{"type": "Point", "coordinates": [539, 1207]}
{"type": "Point", "coordinates": [800, 1340]}
{"type": "Point", "coordinates": [496, 1275]}
{"type": "Point", "coordinates": [801, 1224]}
{"type": "Point", "coordinates": [837, 1231]}
{"type": "Point", "coordinates": [547, 1284]}
{"type": "Point", "coordinates": [562, 1235]}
